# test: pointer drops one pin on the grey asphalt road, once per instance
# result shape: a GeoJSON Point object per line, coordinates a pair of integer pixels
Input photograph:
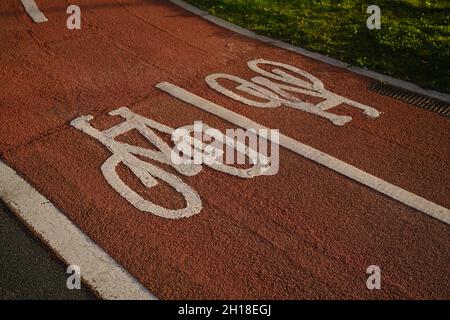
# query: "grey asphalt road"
{"type": "Point", "coordinates": [28, 270]}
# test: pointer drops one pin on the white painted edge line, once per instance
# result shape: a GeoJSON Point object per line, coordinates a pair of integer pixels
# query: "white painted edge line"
{"type": "Point", "coordinates": [414, 201]}
{"type": "Point", "coordinates": [98, 270]}
{"type": "Point", "coordinates": [33, 11]}
{"type": "Point", "coordinates": [334, 62]}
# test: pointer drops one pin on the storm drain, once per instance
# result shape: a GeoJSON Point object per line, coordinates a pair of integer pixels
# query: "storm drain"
{"type": "Point", "coordinates": [416, 99]}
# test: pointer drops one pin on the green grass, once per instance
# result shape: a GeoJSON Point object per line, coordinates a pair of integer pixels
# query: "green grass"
{"type": "Point", "coordinates": [413, 43]}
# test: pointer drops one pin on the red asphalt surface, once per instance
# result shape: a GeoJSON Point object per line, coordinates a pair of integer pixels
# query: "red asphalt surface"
{"type": "Point", "coordinates": [304, 233]}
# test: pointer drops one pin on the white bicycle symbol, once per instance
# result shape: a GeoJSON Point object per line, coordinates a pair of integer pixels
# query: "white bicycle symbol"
{"type": "Point", "coordinates": [277, 94]}
{"type": "Point", "coordinates": [148, 173]}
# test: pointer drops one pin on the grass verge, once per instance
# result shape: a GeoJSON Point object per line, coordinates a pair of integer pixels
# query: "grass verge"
{"type": "Point", "coordinates": [413, 43]}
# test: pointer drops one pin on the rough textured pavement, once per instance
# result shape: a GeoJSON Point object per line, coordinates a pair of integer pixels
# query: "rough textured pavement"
{"type": "Point", "coordinates": [306, 232]}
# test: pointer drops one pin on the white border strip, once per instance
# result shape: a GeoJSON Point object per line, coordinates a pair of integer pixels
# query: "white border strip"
{"type": "Point", "coordinates": [98, 270]}
{"type": "Point", "coordinates": [334, 62]}
{"type": "Point", "coordinates": [375, 183]}
{"type": "Point", "coordinates": [33, 11]}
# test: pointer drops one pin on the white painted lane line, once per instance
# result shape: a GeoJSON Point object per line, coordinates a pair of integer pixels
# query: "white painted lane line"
{"type": "Point", "coordinates": [99, 271]}
{"type": "Point", "coordinates": [390, 190]}
{"type": "Point", "coordinates": [33, 11]}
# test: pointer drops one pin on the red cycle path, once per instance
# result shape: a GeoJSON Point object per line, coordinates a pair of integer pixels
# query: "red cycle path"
{"type": "Point", "coordinates": [306, 232]}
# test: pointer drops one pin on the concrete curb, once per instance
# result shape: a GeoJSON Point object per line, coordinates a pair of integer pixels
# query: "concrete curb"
{"type": "Point", "coordinates": [334, 62]}
{"type": "Point", "coordinates": [100, 272]}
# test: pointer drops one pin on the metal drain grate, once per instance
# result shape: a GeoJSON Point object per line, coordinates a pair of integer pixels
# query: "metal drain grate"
{"type": "Point", "coordinates": [416, 99]}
